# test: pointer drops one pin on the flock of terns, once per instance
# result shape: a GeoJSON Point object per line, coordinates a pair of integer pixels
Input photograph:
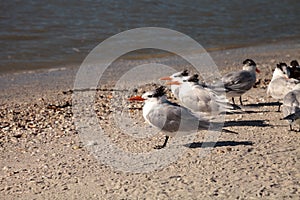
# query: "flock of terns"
{"type": "Point", "coordinates": [201, 102]}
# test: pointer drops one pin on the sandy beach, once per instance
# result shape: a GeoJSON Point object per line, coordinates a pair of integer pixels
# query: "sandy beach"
{"type": "Point", "coordinates": [44, 157]}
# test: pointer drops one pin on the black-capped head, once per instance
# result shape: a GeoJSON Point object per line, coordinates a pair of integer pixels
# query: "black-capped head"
{"type": "Point", "coordinates": [180, 74]}
{"type": "Point", "coordinates": [160, 91]}
{"type": "Point", "coordinates": [284, 68]}
{"type": "Point", "coordinates": [281, 65]}
{"type": "Point", "coordinates": [154, 94]}
{"type": "Point", "coordinates": [294, 63]}
{"type": "Point", "coordinates": [193, 78]}
{"type": "Point", "coordinates": [249, 62]}
{"type": "Point", "coordinates": [185, 72]}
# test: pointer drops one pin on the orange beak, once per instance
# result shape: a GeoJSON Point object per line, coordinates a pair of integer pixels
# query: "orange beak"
{"type": "Point", "coordinates": [166, 78]}
{"type": "Point", "coordinates": [136, 98]}
{"type": "Point", "coordinates": [257, 70]}
{"type": "Point", "coordinates": [173, 83]}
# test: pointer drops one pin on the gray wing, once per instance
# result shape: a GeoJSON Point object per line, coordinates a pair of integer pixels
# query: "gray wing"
{"type": "Point", "coordinates": [240, 81]}
{"type": "Point", "coordinates": [197, 100]}
{"type": "Point", "coordinates": [205, 100]}
{"type": "Point", "coordinates": [219, 101]}
{"type": "Point", "coordinates": [279, 87]}
{"type": "Point", "coordinates": [217, 87]}
{"type": "Point", "coordinates": [164, 118]}
{"type": "Point", "coordinates": [173, 118]}
{"type": "Point", "coordinates": [291, 103]}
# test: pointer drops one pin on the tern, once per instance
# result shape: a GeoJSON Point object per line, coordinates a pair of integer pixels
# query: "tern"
{"type": "Point", "coordinates": [280, 83]}
{"type": "Point", "coordinates": [170, 117]}
{"type": "Point", "coordinates": [291, 107]}
{"type": "Point", "coordinates": [199, 98]}
{"type": "Point", "coordinates": [239, 82]}
{"type": "Point", "coordinates": [178, 76]}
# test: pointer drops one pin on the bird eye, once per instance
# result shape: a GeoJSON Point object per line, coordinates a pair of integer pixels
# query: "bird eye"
{"type": "Point", "coordinates": [150, 95]}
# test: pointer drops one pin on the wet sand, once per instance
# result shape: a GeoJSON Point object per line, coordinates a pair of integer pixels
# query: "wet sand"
{"type": "Point", "coordinates": [43, 156]}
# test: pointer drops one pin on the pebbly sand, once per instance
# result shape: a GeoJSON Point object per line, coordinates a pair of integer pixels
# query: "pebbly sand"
{"type": "Point", "coordinates": [43, 157]}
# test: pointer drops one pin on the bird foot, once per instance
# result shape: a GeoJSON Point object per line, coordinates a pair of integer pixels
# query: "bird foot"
{"type": "Point", "coordinates": [164, 145]}
{"type": "Point", "coordinates": [159, 146]}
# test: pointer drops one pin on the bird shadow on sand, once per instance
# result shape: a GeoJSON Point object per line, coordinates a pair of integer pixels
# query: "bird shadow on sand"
{"type": "Point", "coordinates": [217, 144]}
{"type": "Point", "coordinates": [263, 104]}
{"type": "Point", "coordinates": [260, 123]}
{"type": "Point", "coordinates": [247, 112]}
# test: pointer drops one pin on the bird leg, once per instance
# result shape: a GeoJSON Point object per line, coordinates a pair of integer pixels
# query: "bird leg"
{"type": "Point", "coordinates": [279, 107]}
{"type": "Point", "coordinates": [233, 100]}
{"type": "Point", "coordinates": [164, 145]}
{"type": "Point", "coordinates": [291, 128]}
{"type": "Point", "coordinates": [241, 100]}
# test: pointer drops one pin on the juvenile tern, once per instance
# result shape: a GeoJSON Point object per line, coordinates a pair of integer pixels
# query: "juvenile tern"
{"type": "Point", "coordinates": [239, 82]}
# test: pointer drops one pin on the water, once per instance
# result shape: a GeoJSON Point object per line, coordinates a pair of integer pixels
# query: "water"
{"type": "Point", "coordinates": [41, 34]}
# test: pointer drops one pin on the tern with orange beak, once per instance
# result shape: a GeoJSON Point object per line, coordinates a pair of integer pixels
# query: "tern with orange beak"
{"type": "Point", "coordinates": [176, 79]}
{"type": "Point", "coordinates": [201, 99]}
{"type": "Point", "coordinates": [171, 118]}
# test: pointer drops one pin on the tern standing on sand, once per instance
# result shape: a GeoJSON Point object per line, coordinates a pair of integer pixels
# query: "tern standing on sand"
{"type": "Point", "coordinates": [201, 99]}
{"type": "Point", "coordinates": [171, 118]}
{"type": "Point", "coordinates": [280, 83]}
{"type": "Point", "coordinates": [291, 107]}
{"type": "Point", "coordinates": [237, 83]}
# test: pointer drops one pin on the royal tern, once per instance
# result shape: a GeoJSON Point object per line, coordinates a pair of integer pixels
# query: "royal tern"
{"type": "Point", "coordinates": [291, 107]}
{"type": "Point", "coordinates": [178, 76]}
{"type": "Point", "coordinates": [171, 118]}
{"type": "Point", "coordinates": [201, 99]}
{"type": "Point", "coordinates": [239, 82]}
{"type": "Point", "coordinates": [280, 83]}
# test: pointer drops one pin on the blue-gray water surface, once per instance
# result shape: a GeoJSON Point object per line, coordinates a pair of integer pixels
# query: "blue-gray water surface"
{"type": "Point", "coordinates": [40, 34]}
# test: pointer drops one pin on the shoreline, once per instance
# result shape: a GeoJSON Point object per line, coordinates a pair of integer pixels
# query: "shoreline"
{"type": "Point", "coordinates": [63, 77]}
{"type": "Point", "coordinates": [281, 44]}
